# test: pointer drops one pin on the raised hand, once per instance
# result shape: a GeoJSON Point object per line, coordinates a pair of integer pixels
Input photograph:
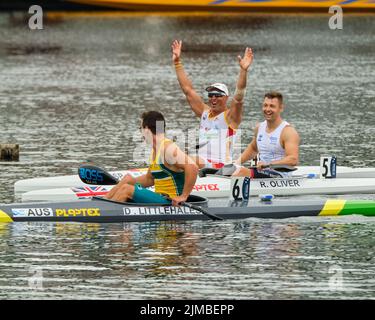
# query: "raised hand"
{"type": "Point", "coordinates": [247, 59]}
{"type": "Point", "coordinates": [176, 50]}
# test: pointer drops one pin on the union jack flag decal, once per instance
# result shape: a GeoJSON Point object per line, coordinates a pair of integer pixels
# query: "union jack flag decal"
{"type": "Point", "coordinates": [88, 192]}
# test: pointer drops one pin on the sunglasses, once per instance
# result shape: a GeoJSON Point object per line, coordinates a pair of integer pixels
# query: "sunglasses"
{"type": "Point", "coordinates": [215, 94]}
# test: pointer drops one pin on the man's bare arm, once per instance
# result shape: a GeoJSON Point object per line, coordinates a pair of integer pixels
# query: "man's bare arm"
{"type": "Point", "coordinates": [196, 103]}
{"type": "Point", "coordinates": [251, 150]}
{"type": "Point", "coordinates": [290, 140]}
{"type": "Point", "coordinates": [249, 153]}
{"type": "Point", "coordinates": [181, 161]}
{"type": "Point", "coordinates": [236, 108]}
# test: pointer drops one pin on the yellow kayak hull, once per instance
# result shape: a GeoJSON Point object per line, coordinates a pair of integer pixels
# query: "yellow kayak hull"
{"type": "Point", "coordinates": [230, 5]}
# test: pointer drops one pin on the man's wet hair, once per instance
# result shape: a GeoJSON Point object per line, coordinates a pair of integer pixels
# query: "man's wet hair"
{"type": "Point", "coordinates": [153, 120]}
{"type": "Point", "coordinates": [273, 95]}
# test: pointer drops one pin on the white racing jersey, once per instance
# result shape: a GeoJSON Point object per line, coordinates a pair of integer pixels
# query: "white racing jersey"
{"type": "Point", "coordinates": [269, 146]}
{"type": "Point", "coordinates": [216, 139]}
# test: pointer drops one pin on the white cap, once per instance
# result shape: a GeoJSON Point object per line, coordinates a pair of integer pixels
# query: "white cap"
{"type": "Point", "coordinates": [218, 86]}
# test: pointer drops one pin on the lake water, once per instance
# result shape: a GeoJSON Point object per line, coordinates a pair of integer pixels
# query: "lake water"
{"type": "Point", "coordinates": [73, 93]}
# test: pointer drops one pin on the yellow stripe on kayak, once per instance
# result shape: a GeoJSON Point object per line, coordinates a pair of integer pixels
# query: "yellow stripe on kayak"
{"type": "Point", "coordinates": [332, 207]}
{"type": "Point", "coordinates": [5, 217]}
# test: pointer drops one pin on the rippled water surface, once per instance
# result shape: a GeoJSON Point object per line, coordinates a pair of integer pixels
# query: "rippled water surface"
{"type": "Point", "coordinates": [73, 93]}
{"type": "Point", "coordinates": [301, 258]}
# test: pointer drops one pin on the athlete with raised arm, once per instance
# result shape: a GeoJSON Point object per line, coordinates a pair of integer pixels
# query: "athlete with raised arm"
{"type": "Point", "coordinates": [218, 121]}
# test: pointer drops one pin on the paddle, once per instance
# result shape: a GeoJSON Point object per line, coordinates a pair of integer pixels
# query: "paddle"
{"type": "Point", "coordinates": [279, 167]}
{"type": "Point", "coordinates": [90, 174]}
{"type": "Point", "coordinates": [228, 169]}
{"type": "Point", "coordinates": [200, 209]}
{"type": "Point", "coordinates": [198, 146]}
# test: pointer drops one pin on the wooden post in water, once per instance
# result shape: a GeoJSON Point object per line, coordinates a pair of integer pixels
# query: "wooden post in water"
{"type": "Point", "coordinates": [9, 152]}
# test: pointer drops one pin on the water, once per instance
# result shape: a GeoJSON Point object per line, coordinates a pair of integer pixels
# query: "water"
{"type": "Point", "coordinates": [231, 260]}
{"type": "Point", "coordinates": [74, 92]}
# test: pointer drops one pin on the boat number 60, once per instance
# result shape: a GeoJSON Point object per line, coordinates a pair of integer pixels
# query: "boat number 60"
{"type": "Point", "coordinates": [240, 188]}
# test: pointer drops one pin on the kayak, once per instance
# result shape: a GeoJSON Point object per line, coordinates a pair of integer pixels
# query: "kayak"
{"type": "Point", "coordinates": [226, 5]}
{"type": "Point", "coordinates": [69, 181]}
{"type": "Point", "coordinates": [221, 187]}
{"type": "Point", "coordinates": [100, 210]}
{"type": "Point", "coordinates": [26, 185]}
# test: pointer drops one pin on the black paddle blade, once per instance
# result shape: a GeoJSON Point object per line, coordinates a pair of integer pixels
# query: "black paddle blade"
{"type": "Point", "coordinates": [90, 174]}
{"type": "Point", "coordinates": [282, 167]}
{"type": "Point", "coordinates": [278, 167]}
{"type": "Point", "coordinates": [229, 169]}
{"type": "Point", "coordinates": [204, 171]}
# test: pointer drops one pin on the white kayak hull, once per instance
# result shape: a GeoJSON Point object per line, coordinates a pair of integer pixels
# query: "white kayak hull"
{"type": "Point", "coordinates": [26, 185]}
{"type": "Point", "coordinates": [22, 186]}
{"type": "Point", "coordinates": [220, 187]}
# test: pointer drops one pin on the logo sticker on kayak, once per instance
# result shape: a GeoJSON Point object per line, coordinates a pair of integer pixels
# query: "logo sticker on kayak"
{"type": "Point", "coordinates": [88, 192]}
{"type": "Point", "coordinates": [32, 212]}
{"type": "Point", "coordinates": [130, 211]}
{"type": "Point", "coordinates": [93, 175]}
{"type": "Point", "coordinates": [83, 212]}
{"type": "Point", "coordinates": [206, 187]}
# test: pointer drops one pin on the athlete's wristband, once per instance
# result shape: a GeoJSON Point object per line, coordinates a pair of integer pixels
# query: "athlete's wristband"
{"type": "Point", "coordinates": [178, 64]}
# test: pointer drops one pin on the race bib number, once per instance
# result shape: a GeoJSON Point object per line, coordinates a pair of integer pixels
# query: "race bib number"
{"type": "Point", "coordinates": [240, 188]}
{"type": "Point", "coordinates": [328, 167]}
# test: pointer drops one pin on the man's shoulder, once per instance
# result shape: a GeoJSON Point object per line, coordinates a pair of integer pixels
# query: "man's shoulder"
{"type": "Point", "coordinates": [170, 148]}
{"type": "Point", "coordinates": [290, 131]}
{"type": "Point", "coordinates": [205, 111]}
{"type": "Point", "coordinates": [168, 144]}
{"type": "Point", "coordinates": [289, 127]}
{"type": "Point", "coordinates": [259, 124]}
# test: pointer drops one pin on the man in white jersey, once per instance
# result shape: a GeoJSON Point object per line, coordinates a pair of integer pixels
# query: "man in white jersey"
{"type": "Point", "coordinates": [218, 122]}
{"type": "Point", "coordinates": [275, 141]}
